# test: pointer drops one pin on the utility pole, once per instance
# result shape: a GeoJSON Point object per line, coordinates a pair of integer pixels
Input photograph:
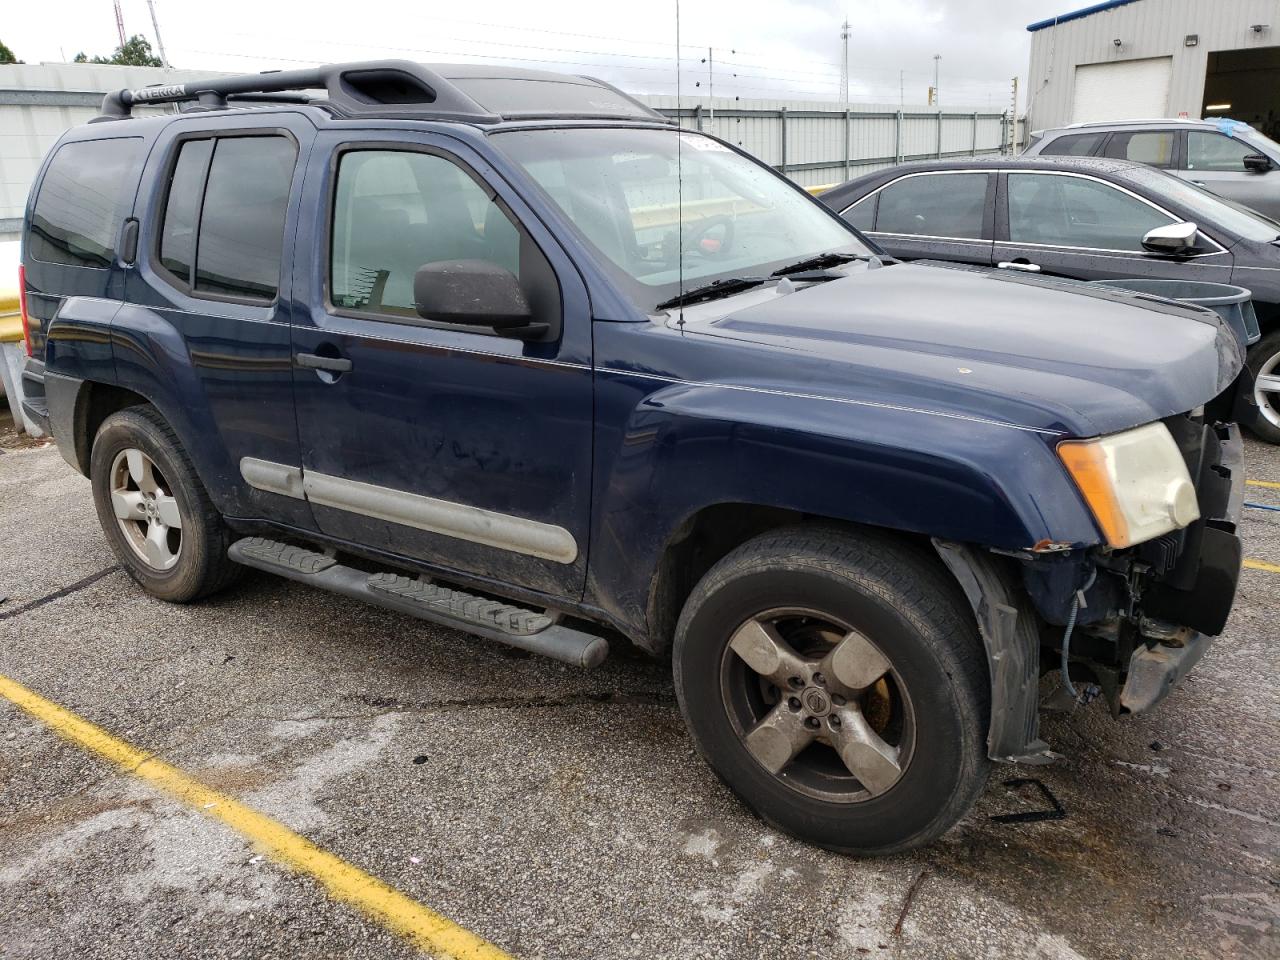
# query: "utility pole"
{"type": "Point", "coordinates": [119, 23]}
{"type": "Point", "coordinates": [1013, 119]}
{"type": "Point", "coordinates": [155, 25]}
{"type": "Point", "coordinates": [711, 90]}
{"type": "Point", "coordinates": [937, 95]}
{"type": "Point", "coordinates": [844, 64]}
{"type": "Point", "coordinates": [902, 89]}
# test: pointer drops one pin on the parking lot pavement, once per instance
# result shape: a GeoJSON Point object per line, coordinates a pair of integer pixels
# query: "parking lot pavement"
{"type": "Point", "coordinates": [559, 813]}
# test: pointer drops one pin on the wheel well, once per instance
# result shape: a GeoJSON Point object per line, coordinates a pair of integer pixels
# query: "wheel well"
{"type": "Point", "coordinates": [703, 540]}
{"type": "Point", "coordinates": [98, 401]}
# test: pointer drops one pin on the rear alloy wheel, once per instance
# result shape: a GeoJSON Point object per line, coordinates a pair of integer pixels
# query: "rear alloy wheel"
{"type": "Point", "coordinates": [154, 510]}
{"type": "Point", "coordinates": [1264, 362]}
{"type": "Point", "coordinates": [146, 509]}
{"type": "Point", "coordinates": [836, 682]}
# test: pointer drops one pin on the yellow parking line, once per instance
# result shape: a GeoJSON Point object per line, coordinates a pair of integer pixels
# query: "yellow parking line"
{"type": "Point", "coordinates": [425, 928]}
{"type": "Point", "coordinates": [1259, 565]}
{"type": "Point", "coordinates": [1271, 484]}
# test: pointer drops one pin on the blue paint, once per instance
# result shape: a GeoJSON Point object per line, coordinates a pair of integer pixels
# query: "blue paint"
{"type": "Point", "coordinates": [1077, 14]}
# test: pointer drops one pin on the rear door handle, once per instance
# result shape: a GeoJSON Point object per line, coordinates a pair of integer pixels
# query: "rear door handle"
{"type": "Point", "coordinates": [313, 361]}
{"type": "Point", "coordinates": [1014, 265]}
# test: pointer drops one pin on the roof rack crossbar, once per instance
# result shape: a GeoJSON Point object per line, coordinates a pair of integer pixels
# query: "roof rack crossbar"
{"type": "Point", "coordinates": [370, 88]}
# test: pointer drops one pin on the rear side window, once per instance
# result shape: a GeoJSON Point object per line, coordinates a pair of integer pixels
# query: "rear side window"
{"type": "Point", "coordinates": [934, 205]}
{"type": "Point", "coordinates": [223, 229]}
{"type": "Point", "coordinates": [82, 202]}
{"type": "Point", "coordinates": [1153, 147]}
{"type": "Point", "coordinates": [1073, 145]}
{"type": "Point", "coordinates": [862, 215]}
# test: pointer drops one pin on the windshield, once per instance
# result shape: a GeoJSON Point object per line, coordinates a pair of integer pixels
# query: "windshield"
{"type": "Point", "coordinates": [1207, 206]}
{"type": "Point", "coordinates": [620, 190]}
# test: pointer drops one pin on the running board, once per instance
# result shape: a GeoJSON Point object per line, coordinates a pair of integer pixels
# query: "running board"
{"type": "Point", "coordinates": [515, 626]}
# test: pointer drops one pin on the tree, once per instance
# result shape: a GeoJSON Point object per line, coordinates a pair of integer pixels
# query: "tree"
{"type": "Point", "coordinates": [6, 55]}
{"type": "Point", "coordinates": [135, 53]}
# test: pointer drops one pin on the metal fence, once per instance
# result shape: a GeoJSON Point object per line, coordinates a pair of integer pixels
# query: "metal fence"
{"type": "Point", "coordinates": [818, 143]}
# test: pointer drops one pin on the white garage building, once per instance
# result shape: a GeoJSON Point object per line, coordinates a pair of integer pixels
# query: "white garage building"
{"type": "Point", "coordinates": [1127, 59]}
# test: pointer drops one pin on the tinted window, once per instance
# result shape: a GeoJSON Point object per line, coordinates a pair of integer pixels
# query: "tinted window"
{"type": "Point", "coordinates": [1074, 212]}
{"type": "Point", "coordinates": [1213, 151]}
{"type": "Point", "coordinates": [1074, 145]}
{"type": "Point", "coordinates": [862, 215]}
{"type": "Point", "coordinates": [1154, 148]}
{"type": "Point", "coordinates": [934, 205]}
{"type": "Point", "coordinates": [242, 224]}
{"type": "Point", "coordinates": [81, 203]}
{"type": "Point", "coordinates": [178, 236]}
{"type": "Point", "coordinates": [395, 211]}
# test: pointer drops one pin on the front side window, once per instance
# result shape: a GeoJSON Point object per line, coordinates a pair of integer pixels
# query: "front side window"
{"type": "Point", "coordinates": [82, 200]}
{"type": "Point", "coordinates": [1073, 145]}
{"type": "Point", "coordinates": [397, 210]}
{"type": "Point", "coordinates": [934, 205]}
{"type": "Point", "coordinates": [1154, 148]}
{"type": "Point", "coordinates": [1214, 152]}
{"type": "Point", "coordinates": [659, 206]}
{"type": "Point", "coordinates": [1068, 211]}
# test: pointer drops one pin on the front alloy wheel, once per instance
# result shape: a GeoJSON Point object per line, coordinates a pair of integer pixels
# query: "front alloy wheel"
{"type": "Point", "coordinates": [818, 705]}
{"type": "Point", "coordinates": [146, 509]}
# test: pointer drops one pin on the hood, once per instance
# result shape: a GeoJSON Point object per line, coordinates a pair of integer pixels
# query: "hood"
{"type": "Point", "coordinates": [1054, 355]}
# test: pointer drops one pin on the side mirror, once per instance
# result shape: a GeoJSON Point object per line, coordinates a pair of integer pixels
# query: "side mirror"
{"type": "Point", "coordinates": [1174, 238]}
{"type": "Point", "coordinates": [476, 293]}
{"type": "Point", "coordinates": [1257, 163]}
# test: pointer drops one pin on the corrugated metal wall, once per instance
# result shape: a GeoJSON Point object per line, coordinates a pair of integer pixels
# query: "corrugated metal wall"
{"type": "Point", "coordinates": [1148, 28]}
{"type": "Point", "coordinates": [816, 132]}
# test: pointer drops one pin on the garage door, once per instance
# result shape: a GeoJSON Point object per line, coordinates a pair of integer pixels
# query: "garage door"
{"type": "Point", "coordinates": [1125, 90]}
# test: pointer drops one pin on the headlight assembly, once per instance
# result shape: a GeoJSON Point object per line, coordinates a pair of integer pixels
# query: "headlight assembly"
{"type": "Point", "coordinates": [1135, 482]}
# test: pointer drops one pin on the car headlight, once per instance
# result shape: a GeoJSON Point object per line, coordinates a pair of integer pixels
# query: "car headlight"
{"type": "Point", "coordinates": [1135, 482]}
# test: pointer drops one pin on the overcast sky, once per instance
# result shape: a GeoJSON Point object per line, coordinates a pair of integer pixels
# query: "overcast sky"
{"type": "Point", "coordinates": [759, 48]}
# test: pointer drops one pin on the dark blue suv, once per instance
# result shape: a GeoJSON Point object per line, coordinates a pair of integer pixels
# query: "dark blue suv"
{"type": "Point", "coordinates": [508, 351]}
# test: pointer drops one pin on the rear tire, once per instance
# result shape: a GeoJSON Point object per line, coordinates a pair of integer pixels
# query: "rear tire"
{"type": "Point", "coordinates": [861, 656]}
{"type": "Point", "coordinates": [154, 510]}
{"type": "Point", "coordinates": [1264, 361]}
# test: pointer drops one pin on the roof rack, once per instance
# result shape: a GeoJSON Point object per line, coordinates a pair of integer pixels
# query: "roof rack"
{"type": "Point", "coordinates": [402, 89]}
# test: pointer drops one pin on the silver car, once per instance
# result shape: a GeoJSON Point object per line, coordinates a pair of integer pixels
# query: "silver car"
{"type": "Point", "coordinates": [1228, 157]}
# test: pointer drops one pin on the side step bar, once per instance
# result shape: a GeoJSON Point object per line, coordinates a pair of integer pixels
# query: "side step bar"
{"type": "Point", "coordinates": [515, 626]}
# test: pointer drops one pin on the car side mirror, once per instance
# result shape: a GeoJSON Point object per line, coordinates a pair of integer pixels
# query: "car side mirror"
{"type": "Point", "coordinates": [1173, 238]}
{"type": "Point", "coordinates": [474, 293]}
{"type": "Point", "coordinates": [1257, 163]}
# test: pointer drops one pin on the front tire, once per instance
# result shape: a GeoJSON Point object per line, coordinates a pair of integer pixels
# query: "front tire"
{"type": "Point", "coordinates": [1264, 363]}
{"type": "Point", "coordinates": [836, 682]}
{"type": "Point", "coordinates": [154, 510]}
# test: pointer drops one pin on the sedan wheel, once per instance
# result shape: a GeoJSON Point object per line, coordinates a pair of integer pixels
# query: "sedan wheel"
{"type": "Point", "coordinates": [1267, 390]}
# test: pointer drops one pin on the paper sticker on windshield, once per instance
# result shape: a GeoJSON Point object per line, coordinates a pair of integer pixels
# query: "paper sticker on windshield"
{"type": "Point", "coordinates": [704, 143]}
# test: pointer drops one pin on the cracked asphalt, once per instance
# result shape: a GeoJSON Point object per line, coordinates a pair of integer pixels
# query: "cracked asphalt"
{"type": "Point", "coordinates": [559, 813]}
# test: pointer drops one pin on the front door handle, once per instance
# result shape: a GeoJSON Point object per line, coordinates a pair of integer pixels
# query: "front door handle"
{"type": "Point", "coordinates": [314, 361]}
{"type": "Point", "coordinates": [1015, 265]}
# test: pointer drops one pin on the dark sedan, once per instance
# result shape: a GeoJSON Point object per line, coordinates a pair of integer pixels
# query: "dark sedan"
{"type": "Point", "coordinates": [1088, 219]}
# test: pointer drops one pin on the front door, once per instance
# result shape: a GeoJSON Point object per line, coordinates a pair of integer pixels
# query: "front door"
{"type": "Point", "coordinates": [447, 444]}
{"type": "Point", "coordinates": [1216, 162]}
{"type": "Point", "coordinates": [1072, 225]}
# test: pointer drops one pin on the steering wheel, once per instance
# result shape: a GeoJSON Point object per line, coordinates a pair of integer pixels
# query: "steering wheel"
{"type": "Point", "coordinates": [704, 242]}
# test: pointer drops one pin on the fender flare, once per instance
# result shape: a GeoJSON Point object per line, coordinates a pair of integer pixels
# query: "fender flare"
{"type": "Point", "coordinates": [1012, 641]}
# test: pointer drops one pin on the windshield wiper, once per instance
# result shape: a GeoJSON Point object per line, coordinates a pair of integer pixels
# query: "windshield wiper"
{"type": "Point", "coordinates": [711, 291]}
{"type": "Point", "coordinates": [819, 262]}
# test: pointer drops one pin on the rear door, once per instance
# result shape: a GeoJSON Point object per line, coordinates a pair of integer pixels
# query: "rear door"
{"type": "Point", "coordinates": [204, 332]}
{"type": "Point", "coordinates": [940, 215]}
{"type": "Point", "coordinates": [1073, 225]}
{"type": "Point", "coordinates": [451, 445]}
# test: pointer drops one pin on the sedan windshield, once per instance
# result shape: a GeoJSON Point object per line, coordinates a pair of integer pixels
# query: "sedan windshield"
{"type": "Point", "coordinates": [1203, 205]}
{"type": "Point", "coordinates": [656, 203]}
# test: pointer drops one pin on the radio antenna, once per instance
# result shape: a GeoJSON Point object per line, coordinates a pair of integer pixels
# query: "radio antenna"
{"type": "Point", "coordinates": [679, 178]}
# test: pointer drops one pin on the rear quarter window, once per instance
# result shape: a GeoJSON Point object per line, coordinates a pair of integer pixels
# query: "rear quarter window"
{"type": "Point", "coordinates": [82, 201]}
